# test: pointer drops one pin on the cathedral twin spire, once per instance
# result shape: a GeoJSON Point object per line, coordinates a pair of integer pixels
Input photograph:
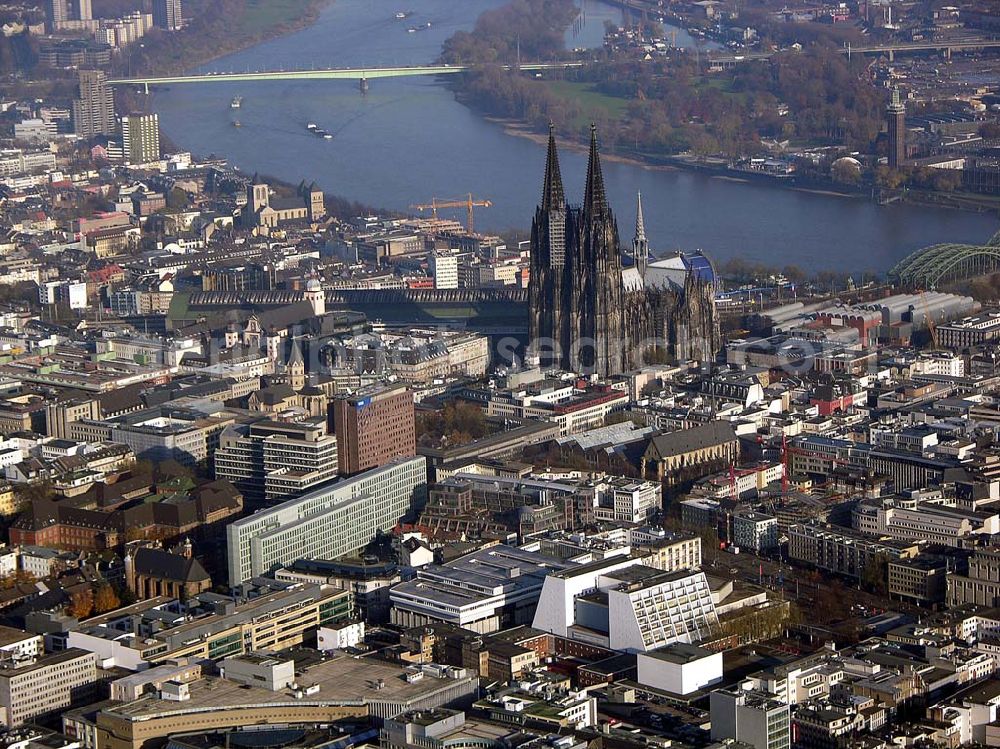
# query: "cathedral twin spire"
{"type": "Point", "coordinates": [553, 194]}
{"type": "Point", "coordinates": [595, 201]}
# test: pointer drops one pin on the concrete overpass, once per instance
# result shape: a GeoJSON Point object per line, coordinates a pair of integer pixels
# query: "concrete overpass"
{"type": "Point", "coordinates": [350, 74]}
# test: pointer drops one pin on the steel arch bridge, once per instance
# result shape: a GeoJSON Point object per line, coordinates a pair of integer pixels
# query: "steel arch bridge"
{"type": "Point", "coordinates": [942, 263]}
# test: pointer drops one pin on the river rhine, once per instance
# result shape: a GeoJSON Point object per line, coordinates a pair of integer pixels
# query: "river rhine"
{"type": "Point", "coordinates": [408, 140]}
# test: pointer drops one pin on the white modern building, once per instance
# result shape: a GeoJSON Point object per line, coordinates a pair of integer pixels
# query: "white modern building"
{"type": "Point", "coordinates": [627, 605]}
{"type": "Point", "coordinates": [556, 612]}
{"type": "Point", "coordinates": [348, 634]}
{"type": "Point", "coordinates": [259, 669]}
{"type": "Point", "coordinates": [808, 678]}
{"type": "Point", "coordinates": [17, 645]}
{"type": "Point", "coordinates": [671, 552]}
{"type": "Point", "coordinates": [444, 269]}
{"type": "Point", "coordinates": [326, 523]}
{"type": "Point", "coordinates": [679, 668]}
{"type": "Point", "coordinates": [71, 293]}
{"type": "Point", "coordinates": [627, 501]}
{"type": "Point", "coordinates": [907, 519]}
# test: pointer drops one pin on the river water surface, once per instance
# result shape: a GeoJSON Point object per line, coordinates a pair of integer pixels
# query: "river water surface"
{"type": "Point", "coordinates": [408, 140]}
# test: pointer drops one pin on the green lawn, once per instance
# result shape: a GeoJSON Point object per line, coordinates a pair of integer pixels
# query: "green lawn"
{"type": "Point", "coordinates": [720, 83]}
{"type": "Point", "coordinates": [590, 100]}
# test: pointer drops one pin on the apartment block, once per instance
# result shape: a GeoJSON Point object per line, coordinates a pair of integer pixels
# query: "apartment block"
{"type": "Point", "coordinates": [923, 580]}
{"type": "Point", "coordinates": [981, 585]}
{"type": "Point", "coordinates": [272, 460]}
{"type": "Point", "coordinates": [46, 686]}
{"type": "Point", "coordinates": [750, 717]}
{"type": "Point", "coordinates": [842, 551]}
{"type": "Point", "coordinates": [755, 531]}
{"type": "Point", "coordinates": [141, 138]}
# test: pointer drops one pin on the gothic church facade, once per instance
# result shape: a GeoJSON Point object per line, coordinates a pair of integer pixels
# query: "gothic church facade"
{"type": "Point", "coordinates": [589, 313]}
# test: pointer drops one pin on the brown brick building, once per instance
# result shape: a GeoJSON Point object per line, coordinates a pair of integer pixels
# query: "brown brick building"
{"type": "Point", "coordinates": [373, 426]}
{"type": "Point", "coordinates": [83, 524]}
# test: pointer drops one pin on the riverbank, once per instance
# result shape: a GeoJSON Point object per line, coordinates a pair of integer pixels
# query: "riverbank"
{"type": "Point", "coordinates": [958, 201]}
{"type": "Point", "coordinates": [966, 202]}
{"type": "Point", "coordinates": [517, 129]}
{"type": "Point", "coordinates": [224, 27]}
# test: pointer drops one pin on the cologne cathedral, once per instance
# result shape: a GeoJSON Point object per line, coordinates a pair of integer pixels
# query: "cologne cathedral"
{"type": "Point", "coordinates": [589, 312]}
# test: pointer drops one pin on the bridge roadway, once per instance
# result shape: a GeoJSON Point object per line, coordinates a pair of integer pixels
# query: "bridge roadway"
{"type": "Point", "coordinates": [365, 74]}
{"type": "Point", "coordinates": [350, 74]}
{"type": "Point", "coordinates": [891, 50]}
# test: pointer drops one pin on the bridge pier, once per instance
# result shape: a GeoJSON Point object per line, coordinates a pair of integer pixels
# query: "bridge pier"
{"type": "Point", "coordinates": [947, 53]}
{"type": "Point", "coordinates": [892, 55]}
{"type": "Point", "coordinates": [363, 85]}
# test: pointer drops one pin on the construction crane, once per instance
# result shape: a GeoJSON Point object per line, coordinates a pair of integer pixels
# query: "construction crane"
{"type": "Point", "coordinates": [930, 320]}
{"type": "Point", "coordinates": [468, 203]}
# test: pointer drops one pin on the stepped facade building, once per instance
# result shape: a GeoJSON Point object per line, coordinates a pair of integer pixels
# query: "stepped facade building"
{"type": "Point", "coordinates": [589, 312]}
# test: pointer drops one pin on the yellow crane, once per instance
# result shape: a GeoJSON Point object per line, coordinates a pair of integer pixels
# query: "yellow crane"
{"type": "Point", "coordinates": [468, 203]}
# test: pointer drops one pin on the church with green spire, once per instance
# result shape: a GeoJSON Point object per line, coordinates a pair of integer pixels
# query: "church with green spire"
{"type": "Point", "coordinates": [589, 311]}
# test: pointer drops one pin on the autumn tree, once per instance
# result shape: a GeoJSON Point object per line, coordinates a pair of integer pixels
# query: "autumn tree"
{"type": "Point", "coordinates": [888, 177]}
{"type": "Point", "coordinates": [457, 423]}
{"type": "Point", "coordinates": [28, 493]}
{"type": "Point", "coordinates": [875, 575]}
{"type": "Point", "coordinates": [989, 130]}
{"type": "Point", "coordinates": [177, 200]}
{"type": "Point", "coordinates": [756, 625]}
{"type": "Point", "coordinates": [81, 604]}
{"type": "Point", "coordinates": [106, 599]}
{"type": "Point", "coordinates": [15, 578]}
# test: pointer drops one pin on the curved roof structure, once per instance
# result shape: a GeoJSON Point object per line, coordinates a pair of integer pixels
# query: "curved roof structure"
{"type": "Point", "coordinates": [701, 266]}
{"type": "Point", "coordinates": [941, 263]}
{"type": "Point", "coordinates": [672, 270]}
